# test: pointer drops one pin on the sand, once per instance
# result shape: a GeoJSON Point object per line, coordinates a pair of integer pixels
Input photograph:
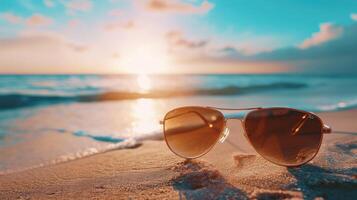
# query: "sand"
{"type": "Point", "coordinates": [231, 170]}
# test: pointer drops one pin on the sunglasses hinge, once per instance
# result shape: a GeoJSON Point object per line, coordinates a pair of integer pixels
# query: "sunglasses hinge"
{"type": "Point", "coordinates": [326, 129]}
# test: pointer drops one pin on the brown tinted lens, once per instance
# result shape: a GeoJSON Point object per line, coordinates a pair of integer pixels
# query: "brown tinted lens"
{"type": "Point", "coordinates": [284, 136]}
{"type": "Point", "coordinates": [192, 131]}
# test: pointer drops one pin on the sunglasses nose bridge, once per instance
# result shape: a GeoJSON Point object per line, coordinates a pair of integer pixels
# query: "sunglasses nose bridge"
{"type": "Point", "coordinates": [224, 134]}
{"type": "Point", "coordinates": [241, 120]}
{"type": "Point", "coordinates": [226, 130]}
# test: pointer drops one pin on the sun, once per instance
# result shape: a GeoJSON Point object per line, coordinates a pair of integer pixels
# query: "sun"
{"type": "Point", "coordinates": [144, 82]}
{"type": "Point", "coordinates": [145, 60]}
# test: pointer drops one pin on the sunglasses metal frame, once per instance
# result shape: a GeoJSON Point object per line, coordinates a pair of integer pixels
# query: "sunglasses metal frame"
{"type": "Point", "coordinates": [325, 129]}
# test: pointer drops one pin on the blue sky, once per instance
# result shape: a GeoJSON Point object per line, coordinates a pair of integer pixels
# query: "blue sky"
{"type": "Point", "coordinates": [295, 20]}
{"type": "Point", "coordinates": [176, 36]}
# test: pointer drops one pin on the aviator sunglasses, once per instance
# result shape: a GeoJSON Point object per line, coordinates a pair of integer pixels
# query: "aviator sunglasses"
{"type": "Point", "coordinates": [284, 136]}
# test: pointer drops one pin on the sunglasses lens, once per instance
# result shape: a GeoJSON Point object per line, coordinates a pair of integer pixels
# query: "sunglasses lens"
{"type": "Point", "coordinates": [192, 131]}
{"type": "Point", "coordinates": [284, 136]}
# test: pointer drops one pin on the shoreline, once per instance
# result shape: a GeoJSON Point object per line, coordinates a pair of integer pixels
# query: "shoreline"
{"type": "Point", "coordinates": [230, 170]}
{"type": "Point", "coordinates": [106, 146]}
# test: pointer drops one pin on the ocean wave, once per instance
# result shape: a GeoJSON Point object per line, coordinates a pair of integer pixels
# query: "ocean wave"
{"type": "Point", "coordinates": [90, 151]}
{"type": "Point", "coordinates": [342, 105]}
{"type": "Point", "coordinates": [113, 143]}
{"type": "Point", "coordinates": [153, 135]}
{"type": "Point", "coordinates": [99, 138]}
{"type": "Point", "coordinates": [11, 101]}
{"type": "Point", "coordinates": [18, 100]}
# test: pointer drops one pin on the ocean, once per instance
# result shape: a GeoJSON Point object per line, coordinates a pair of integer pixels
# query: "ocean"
{"type": "Point", "coordinates": [48, 119]}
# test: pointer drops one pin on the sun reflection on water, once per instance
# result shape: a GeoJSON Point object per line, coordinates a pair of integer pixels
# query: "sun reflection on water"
{"type": "Point", "coordinates": [145, 116]}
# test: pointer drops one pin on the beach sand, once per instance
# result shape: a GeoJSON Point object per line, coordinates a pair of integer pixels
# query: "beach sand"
{"type": "Point", "coordinates": [230, 170]}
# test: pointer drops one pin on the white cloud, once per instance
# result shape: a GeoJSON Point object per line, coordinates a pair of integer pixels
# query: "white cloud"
{"type": "Point", "coordinates": [73, 23]}
{"type": "Point", "coordinates": [354, 16]}
{"type": "Point", "coordinates": [49, 3]}
{"type": "Point", "coordinates": [11, 18]}
{"type": "Point", "coordinates": [115, 13]}
{"type": "Point", "coordinates": [41, 52]}
{"type": "Point", "coordinates": [38, 20]}
{"type": "Point", "coordinates": [119, 25]}
{"type": "Point", "coordinates": [177, 6]}
{"type": "Point", "coordinates": [177, 40]}
{"type": "Point", "coordinates": [327, 32]}
{"type": "Point", "coordinates": [78, 5]}
{"type": "Point", "coordinates": [34, 20]}
{"type": "Point", "coordinates": [337, 56]}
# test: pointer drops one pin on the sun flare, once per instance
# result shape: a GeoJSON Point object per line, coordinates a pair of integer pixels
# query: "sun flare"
{"type": "Point", "coordinates": [145, 60]}
{"type": "Point", "coordinates": [144, 82]}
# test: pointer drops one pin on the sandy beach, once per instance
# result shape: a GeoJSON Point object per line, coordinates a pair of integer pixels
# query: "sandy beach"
{"type": "Point", "coordinates": [94, 95]}
{"type": "Point", "coordinates": [230, 171]}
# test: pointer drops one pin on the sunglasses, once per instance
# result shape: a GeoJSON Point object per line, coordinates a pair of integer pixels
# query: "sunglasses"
{"type": "Point", "coordinates": [284, 136]}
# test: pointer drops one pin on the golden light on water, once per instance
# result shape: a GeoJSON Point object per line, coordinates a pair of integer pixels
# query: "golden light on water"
{"type": "Point", "coordinates": [144, 82]}
{"type": "Point", "coordinates": [145, 116]}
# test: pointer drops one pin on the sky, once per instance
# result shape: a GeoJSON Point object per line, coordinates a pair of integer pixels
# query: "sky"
{"type": "Point", "coordinates": [177, 36]}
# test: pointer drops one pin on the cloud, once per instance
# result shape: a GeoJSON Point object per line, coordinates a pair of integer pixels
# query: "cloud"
{"type": "Point", "coordinates": [11, 18]}
{"type": "Point", "coordinates": [250, 44]}
{"type": "Point", "coordinates": [176, 40]}
{"type": "Point", "coordinates": [78, 5]}
{"type": "Point", "coordinates": [177, 6]}
{"type": "Point", "coordinates": [343, 47]}
{"type": "Point", "coordinates": [354, 16]}
{"type": "Point", "coordinates": [115, 13]}
{"type": "Point", "coordinates": [331, 56]}
{"type": "Point", "coordinates": [327, 32]}
{"type": "Point", "coordinates": [38, 20]}
{"type": "Point", "coordinates": [228, 50]}
{"type": "Point", "coordinates": [49, 3]}
{"type": "Point", "coordinates": [41, 52]}
{"type": "Point", "coordinates": [73, 23]}
{"type": "Point", "coordinates": [120, 25]}
{"type": "Point", "coordinates": [77, 47]}
{"type": "Point", "coordinates": [115, 55]}
{"type": "Point", "coordinates": [43, 37]}
{"type": "Point", "coordinates": [33, 20]}
{"type": "Point", "coordinates": [230, 53]}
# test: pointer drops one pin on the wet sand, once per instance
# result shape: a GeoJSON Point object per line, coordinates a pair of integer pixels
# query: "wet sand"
{"type": "Point", "coordinates": [231, 170]}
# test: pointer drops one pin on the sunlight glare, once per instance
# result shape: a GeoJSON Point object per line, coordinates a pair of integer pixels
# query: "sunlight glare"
{"type": "Point", "coordinates": [144, 82]}
{"type": "Point", "coordinates": [148, 59]}
{"type": "Point", "coordinates": [145, 116]}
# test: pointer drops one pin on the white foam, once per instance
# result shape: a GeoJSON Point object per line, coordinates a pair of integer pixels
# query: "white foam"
{"type": "Point", "coordinates": [339, 106]}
